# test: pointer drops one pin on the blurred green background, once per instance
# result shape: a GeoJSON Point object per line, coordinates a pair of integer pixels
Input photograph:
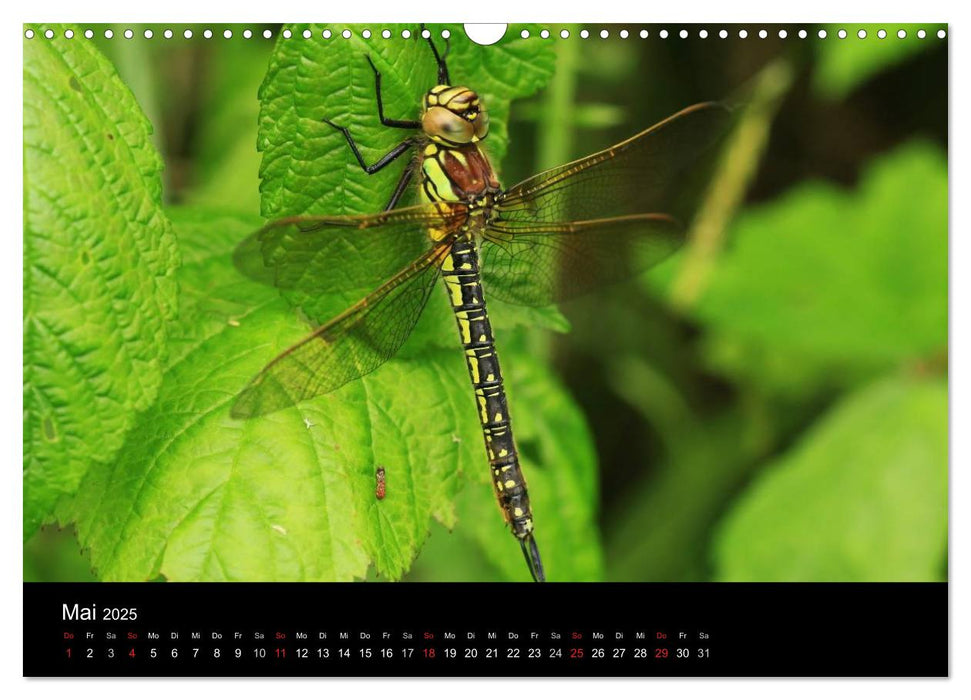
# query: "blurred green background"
{"type": "Point", "coordinates": [771, 404]}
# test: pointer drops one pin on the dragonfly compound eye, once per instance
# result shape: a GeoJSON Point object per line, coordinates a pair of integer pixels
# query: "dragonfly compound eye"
{"type": "Point", "coordinates": [441, 124]}
{"type": "Point", "coordinates": [481, 124]}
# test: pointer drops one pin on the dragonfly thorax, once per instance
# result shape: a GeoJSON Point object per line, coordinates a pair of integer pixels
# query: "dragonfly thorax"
{"type": "Point", "coordinates": [453, 115]}
{"type": "Point", "coordinates": [457, 174]}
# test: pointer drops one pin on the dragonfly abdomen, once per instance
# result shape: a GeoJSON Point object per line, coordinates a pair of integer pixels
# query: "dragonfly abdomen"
{"type": "Point", "coordinates": [460, 271]}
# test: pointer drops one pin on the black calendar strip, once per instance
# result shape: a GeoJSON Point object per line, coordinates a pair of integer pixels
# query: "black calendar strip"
{"type": "Point", "coordinates": [260, 629]}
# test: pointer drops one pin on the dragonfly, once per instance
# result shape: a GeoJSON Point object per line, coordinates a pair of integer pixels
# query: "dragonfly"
{"type": "Point", "coordinates": [597, 220]}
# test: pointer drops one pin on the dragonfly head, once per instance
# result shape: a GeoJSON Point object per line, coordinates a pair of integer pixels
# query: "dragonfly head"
{"type": "Point", "coordinates": [453, 115]}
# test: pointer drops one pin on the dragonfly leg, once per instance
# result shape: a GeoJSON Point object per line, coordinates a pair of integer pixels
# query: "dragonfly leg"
{"type": "Point", "coordinates": [387, 158]}
{"type": "Point", "coordinates": [396, 123]}
{"type": "Point", "coordinates": [531, 552]}
{"type": "Point", "coordinates": [401, 186]}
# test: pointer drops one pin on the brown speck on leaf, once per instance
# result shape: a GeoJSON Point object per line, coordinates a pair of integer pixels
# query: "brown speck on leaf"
{"type": "Point", "coordinates": [75, 85]}
{"type": "Point", "coordinates": [110, 137]}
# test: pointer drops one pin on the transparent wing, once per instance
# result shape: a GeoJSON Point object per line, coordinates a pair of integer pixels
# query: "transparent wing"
{"type": "Point", "coordinates": [537, 264]}
{"type": "Point", "coordinates": [606, 217]}
{"type": "Point", "coordinates": [357, 342]}
{"type": "Point", "coordinates": [311, 257]}
{"type": "Point", "coordinates": [661, 169]}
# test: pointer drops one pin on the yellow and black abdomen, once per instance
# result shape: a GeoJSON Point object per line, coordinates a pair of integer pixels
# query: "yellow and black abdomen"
{"type": "Point", "coordinates": [461, 274]}
{"type": "Point", "coordinates": [464, 174]}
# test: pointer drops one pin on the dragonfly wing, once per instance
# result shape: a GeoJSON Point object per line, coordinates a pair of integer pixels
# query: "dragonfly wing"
{"type": "Point", "coordinates": [357, 342]}
{"type": "Point", "coordinates": [606, 217]}
{"type": "Point", "coordinates": [535, 264]}
{"type": "Point", "coordinates": [661, 169]}
{"type": "Point", "coordinates": [312, 257]}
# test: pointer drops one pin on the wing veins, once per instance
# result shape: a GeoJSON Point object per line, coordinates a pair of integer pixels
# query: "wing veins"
{"type": "Point", "coordinates": [542, 182]}
{"type": "Point", "coordinates": [261, 396]}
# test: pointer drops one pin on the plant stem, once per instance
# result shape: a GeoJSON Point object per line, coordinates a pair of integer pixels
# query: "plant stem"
{"type": "Point", "coordinates": [727, 191]}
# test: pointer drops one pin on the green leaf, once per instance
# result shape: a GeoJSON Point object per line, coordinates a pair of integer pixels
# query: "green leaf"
{"type": "Point", "coordinates": [137, 64]}
{"type": "Point", "coordinates": [98, 262]}
{"type": "Point", "coordinates": [197, 495]}
{"type": "Point", "coordinates": [843, 64]}
{"type": "Point", "coordinates": [193, 494]}
{"type": "Point", "coordinates": [829, 285]}
{"type": "Point", "coordinates": [862, 497]}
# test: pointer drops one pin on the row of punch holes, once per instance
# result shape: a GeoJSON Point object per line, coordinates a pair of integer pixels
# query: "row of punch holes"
{"type": "Point", "coordinates": [525, 34]}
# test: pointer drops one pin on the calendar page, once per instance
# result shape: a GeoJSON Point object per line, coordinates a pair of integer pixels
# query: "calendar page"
{"type": "Point", "coordinates": [487, 350]}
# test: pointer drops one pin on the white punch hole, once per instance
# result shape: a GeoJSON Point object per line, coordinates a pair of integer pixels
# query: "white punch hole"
{"type": "Point", "coordinates": [485, 34]}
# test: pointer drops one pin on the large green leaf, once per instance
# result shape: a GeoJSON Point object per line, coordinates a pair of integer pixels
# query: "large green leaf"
{"type": "Point", "coordinates": [828, 286]}
{"type": "Point", "coordinates": [196, 495]}
{"type": "Point", "coordinates": [862, 496]}
{"type": "Point", "coordinates": [98, 262]}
